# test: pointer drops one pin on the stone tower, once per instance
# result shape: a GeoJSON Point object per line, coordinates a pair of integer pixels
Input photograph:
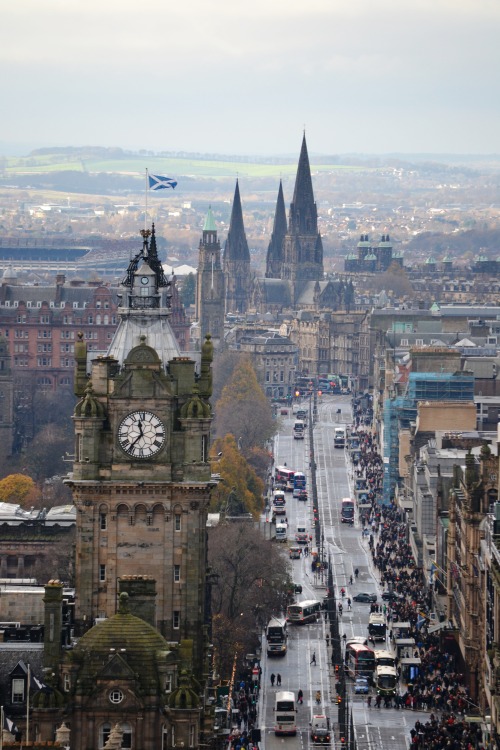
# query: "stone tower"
{"type": "Point", "coordinates": [141, 476]}
{"type": "Point", "coordinates": [210, 285]}
{"type": "Point", "coordinates": [6, 400]}
{"type": "Point", "coordinates": [274, 257]}
{"type": "Point", "coordinates": [236, 261]}
{"type": "Point", "coordinates": [302, 245]}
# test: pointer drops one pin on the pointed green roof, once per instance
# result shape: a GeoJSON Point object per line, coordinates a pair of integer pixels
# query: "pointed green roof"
{"type": "Point", "coordinates": [209, 225]}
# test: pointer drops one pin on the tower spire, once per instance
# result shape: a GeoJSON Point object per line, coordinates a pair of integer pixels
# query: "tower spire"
{"type": "Point", "coordinates": [236, 261]}
{"type": "Point", "coordinates": [303, 214]}
{"type": "Point", "coordinates": [275, 249]}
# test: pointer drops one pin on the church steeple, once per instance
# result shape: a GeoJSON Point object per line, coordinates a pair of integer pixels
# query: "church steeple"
{"type": "Point", "coordinates": [274, 257]}
{"type": "Point", "coordinates": [236, 247]}
{"type": "Point", "coordinates": [302, 245]}
{"type": "Point", "coordinates": [236, 261]}
{"type": "Point", "coordinates": [303, 214]}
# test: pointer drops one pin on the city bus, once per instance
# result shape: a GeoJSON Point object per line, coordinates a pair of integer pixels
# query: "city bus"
{"type": "Point", "coordinates": [359, 660]}
{"type": "Point", "coordinates": [384, 658]}
{"type": "Point", "coordinates": [285, 713]}
{"type": "Point", "coordinates": [284, 476]}
{"type": "Point", "coordinates": [307, 611]}
{"type": "Point", "coordinates": [276, 637]}
{"type": "Point", "coordinates": [299, 483]}
{"type": "Point", "coordinates": [385, 680]}
{"type": "Point", "coordinates": [347, 510]}
{"type": "Point", "coordinates": [377, 626]}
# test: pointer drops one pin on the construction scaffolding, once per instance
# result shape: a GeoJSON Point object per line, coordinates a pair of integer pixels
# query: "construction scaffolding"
{"type": "Point", "coordinates": [401, 411]}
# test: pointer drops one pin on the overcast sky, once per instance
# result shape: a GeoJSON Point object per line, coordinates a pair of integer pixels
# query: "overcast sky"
{"type": "Point", "coordinates": [234, 76]}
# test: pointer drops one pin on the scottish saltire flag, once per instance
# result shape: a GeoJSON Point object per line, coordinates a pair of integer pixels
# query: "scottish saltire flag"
{"type": "Point", "coordinates": [9, 725]}
{"type": "Point", "coordinates": [421, 620]}
{"type": "Point", "coordinates": [36, 684]}
{"type": "Point", "coordinates": [157, 182]}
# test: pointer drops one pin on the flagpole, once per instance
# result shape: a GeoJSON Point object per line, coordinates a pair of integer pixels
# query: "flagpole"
{"type": "Point", "coordinates": [146, 210]}
{"type": "Point", "coordinates": [28, 707]}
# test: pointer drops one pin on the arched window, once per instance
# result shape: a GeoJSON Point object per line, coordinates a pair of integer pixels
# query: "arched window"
{"type": "Point", "coordinates": [104, 731]}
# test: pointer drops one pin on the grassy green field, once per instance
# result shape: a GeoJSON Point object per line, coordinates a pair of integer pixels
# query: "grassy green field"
{"type": "Point", "coordinates": [136, 165]}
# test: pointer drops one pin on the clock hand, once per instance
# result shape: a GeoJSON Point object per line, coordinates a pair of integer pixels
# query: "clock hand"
{"type": "Point", "coordinates": [139, 435]}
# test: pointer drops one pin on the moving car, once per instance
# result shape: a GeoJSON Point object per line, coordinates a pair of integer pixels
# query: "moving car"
{"type": "Point", "coordinates": [391, 596]}
{"type": "Point", "coordinates": [364, 597]}
{"type": "Point", "coordinates": [320, 729]}
{"type": "Point", "coordinates": [361, 685]}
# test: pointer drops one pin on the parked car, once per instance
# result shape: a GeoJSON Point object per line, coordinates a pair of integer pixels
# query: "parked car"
{"type": "Point", "coordinates": [361, 685]}
{"type": "Point", "coordinates": [364, 597]}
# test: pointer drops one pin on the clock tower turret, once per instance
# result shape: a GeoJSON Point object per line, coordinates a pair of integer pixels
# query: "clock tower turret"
{"type": "Point", "coordinates": [141, 479]}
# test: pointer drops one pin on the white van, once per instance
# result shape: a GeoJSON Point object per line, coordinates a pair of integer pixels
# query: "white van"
{"type": "Point", "coordinates": [281, 532]}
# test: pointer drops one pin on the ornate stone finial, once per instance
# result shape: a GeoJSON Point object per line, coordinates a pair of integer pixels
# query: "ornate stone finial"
{"type": "Point", "coordinates": [115, 739]}
{"type": "Point", "coordinates": [123, 605]}
{"type": "Point", "coordinates": [63, 735]}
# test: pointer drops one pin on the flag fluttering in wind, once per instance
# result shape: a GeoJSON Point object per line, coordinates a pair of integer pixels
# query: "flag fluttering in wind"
{"type": "Point", "coordinates": [9, 725]}
{"type": "Point", "coordinates": [157, 182]}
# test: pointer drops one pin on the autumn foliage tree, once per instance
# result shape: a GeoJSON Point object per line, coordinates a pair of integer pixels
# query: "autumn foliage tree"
{"type": "Point", "coordinates": [17, 488]}
{"type": "Point", "coordinates": [240, 489]}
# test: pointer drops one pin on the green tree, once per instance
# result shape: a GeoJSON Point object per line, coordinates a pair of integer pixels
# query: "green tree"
{"type": "Point", "coordinates": [243, 409]}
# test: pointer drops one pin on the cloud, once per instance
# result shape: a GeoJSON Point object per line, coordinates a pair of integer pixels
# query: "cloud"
{"type": "Point", "coordinates": [215, 72]}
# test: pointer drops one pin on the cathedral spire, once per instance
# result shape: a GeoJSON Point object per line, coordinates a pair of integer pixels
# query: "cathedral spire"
{"type": "Point", "coordinates": [303, 214]}
{"type": "Point", "coordinates": [236, 261]}
{"type": "Point", "coordinates": [236, 247]}
{"type": "Point", "coordinates": [275, 249]}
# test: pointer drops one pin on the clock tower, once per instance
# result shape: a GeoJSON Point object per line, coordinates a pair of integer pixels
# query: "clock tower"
{"type": "Point", "coordinates": [141, 478]}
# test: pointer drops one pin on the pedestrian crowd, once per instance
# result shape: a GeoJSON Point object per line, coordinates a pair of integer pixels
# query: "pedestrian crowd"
{"type": "Point", "coordinates": [437, 685]}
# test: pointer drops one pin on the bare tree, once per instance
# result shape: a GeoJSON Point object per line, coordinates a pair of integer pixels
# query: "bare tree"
{"type": "Point", "coordinates": [252, 586]}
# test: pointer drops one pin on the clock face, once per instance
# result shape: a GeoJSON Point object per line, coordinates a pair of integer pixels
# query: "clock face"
{"type": "Point", "coordinates": [141, 434]}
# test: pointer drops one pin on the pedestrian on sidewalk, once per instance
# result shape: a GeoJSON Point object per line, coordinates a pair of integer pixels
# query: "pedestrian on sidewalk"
{"type": "Point", "coordinates": [313, 658]}
{"type": "Point", "coordinates": [273, 677]}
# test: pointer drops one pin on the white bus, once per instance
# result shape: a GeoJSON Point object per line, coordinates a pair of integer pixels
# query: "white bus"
{"type": "Point", "coordinates": [384, 658]}
{"type": "Point", "coordinates": [276, 637]}
{"type": "Point", "coordinates": [377, 626]}
{"type": "Point", "coordinates": [302, 612]}
{"type": "Point", "coordinates": [285, 713]}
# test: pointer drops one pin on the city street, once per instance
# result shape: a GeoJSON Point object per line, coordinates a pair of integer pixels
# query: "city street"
{"type": "Point", "coordinates": [346, 549]}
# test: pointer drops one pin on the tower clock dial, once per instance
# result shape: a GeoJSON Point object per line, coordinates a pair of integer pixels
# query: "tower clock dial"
{"type": "Point", "coordinates": [141, 434]}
